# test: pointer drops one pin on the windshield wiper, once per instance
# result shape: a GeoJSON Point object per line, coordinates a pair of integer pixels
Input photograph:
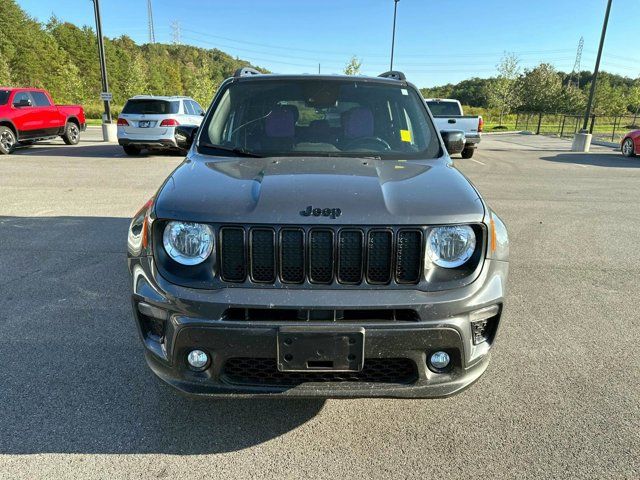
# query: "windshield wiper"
{"type": "Point", "coordinates": [240, 152]}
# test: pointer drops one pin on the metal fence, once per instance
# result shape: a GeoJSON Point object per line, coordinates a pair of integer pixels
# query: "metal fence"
{"type": "Point", "coordinates": [602, 127]}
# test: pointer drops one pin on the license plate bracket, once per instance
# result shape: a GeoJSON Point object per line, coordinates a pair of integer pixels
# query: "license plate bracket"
{"type": "Point", "coordinates": [317, 349]}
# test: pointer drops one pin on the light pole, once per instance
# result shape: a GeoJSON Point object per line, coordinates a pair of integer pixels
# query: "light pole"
{"type": "Point", "coordinates": [109, 130]}
{"type": "Point", "coordinates": [103, 63]}
{"type": "Point", "coordinates": [393, 35]}
{"type": "Point", "coordinates": [582, 139]}
{"type": "Point", "coordinates": [592, 91]}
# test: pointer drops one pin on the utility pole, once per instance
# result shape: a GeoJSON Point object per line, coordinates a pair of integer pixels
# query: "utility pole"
{"type": "Point", "coordinates": [592, 92]}
{"type": "Point", "coordinates": [106, 118]}
{"type": "Point", "coordinates": [582, 139]}
{"type": "Point", "coordinates": [393, 34]}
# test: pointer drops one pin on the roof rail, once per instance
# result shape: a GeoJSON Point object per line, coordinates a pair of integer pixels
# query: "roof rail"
{"type": "Point", "coordinates": [246, 72]}
{"type": "Point", "coordinates": [394, 74]}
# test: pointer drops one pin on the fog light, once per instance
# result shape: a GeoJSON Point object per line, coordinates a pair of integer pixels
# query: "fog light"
{"type": "Point", "coordinates": [439, 360]}
{"type": "Point", "coordinates": [197, 359]}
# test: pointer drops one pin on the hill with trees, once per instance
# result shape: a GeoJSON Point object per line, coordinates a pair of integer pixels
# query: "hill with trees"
{"type": "Point", "coordinates": [543, 89]}
{"type": "Point", "coordinates": [63, 58]}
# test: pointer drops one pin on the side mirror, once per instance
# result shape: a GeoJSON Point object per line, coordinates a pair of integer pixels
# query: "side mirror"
{"type": "Point", "coordinates": [23, 103]}
{"type": "Point", "coordinates": [202, 112]}
{"type": "Point", "coordinates": [184, 135]}
{"type": "Point", "coordinates": [453, 140]}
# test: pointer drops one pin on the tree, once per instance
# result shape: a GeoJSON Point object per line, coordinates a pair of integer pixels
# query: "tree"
{"type": "Point", "coordinates": [541, 89]}
{"type": "Point", "coordinates": [5, 73]}
{"type": "Point", "coordinates": [502, 90]}
{"type": "Point", "coordinates": [353, 67]}
{"type": "Point", "coordinates": [633, 99]}
{"type": "Point", "coordinates": [608, 100]}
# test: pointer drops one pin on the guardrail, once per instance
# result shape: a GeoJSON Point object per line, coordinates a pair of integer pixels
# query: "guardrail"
{"type": "Point", "coordinates": [606, 128]}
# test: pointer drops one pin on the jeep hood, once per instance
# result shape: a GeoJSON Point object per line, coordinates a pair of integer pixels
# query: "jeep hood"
{"type": "Point", "coordinates": [275, 190]}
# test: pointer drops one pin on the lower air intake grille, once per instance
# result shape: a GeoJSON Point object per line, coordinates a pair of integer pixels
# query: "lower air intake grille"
{"type": "Point", "coordinates": [264, 371]}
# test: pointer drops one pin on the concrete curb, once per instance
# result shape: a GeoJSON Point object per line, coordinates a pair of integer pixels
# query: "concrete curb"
{"type": "Point", "coordinates": [602, 143]}
{"type": "Point", "coordinates": [503, 132]}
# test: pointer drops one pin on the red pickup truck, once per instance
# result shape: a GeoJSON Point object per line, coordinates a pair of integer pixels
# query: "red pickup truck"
{"type": "Point", "coordinates": [28, 115]}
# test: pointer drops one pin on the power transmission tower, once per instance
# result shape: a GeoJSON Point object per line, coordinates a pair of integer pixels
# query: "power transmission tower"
{"type": "Point", "coordinates": [176, 33]}
{"type": "Point", "coordinates": [152, 33]}
{"type": "Point", "coordinates": [576, 65]}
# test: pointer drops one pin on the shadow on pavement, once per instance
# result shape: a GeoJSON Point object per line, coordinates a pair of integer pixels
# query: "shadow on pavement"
{"type": "Point", "coordinates": [97, 150]}
{"type": "Point", "coordinates": [614, 160]}
{"type": "Point", "coordinates": [72, 374]}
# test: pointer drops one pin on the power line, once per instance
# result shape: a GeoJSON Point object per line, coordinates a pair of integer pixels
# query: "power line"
{"type": "Point", "coordinates": [371, 54]}
{"type": "Point", "coordinates": [152, 33]}
{"type": "Point", "coordinates": [267, 56]}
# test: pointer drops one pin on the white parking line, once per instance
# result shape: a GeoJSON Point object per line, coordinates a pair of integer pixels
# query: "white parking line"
{"type": "Point", "coordinates": [478, 161]}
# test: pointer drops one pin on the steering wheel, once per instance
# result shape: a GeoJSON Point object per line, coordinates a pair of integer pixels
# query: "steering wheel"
{"type": "Point", "coordinates": [370, 143]}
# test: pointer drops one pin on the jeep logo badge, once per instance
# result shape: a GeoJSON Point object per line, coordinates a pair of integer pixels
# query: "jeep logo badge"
{"type": "Point", "coordinates": [321, 212]}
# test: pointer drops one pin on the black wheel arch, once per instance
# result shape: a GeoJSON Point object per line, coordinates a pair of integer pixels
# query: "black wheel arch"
{"type": "Point", "coordinates": [8, 123]}
{"type": "Point", "coordinates": [73, 120]}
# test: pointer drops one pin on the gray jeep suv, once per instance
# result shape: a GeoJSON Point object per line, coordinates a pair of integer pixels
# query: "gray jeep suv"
{"type": "Point", "coordinates": [317, 241]}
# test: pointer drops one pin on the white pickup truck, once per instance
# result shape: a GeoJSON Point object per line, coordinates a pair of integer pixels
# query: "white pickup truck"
{"type": "Point", "coordinates": [448, 115]}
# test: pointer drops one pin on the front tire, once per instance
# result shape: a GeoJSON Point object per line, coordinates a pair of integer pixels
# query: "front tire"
{"type": "Point", "coordinates": [7, 140]}
{"type": "Point", "coordinates": [627, 148]}
{"type": "Point", "coordinates": [468, 152]}
{"type": "Point", "coordinates": [71, 134]}
{"type": "Point", "coordinates": [131, 150]}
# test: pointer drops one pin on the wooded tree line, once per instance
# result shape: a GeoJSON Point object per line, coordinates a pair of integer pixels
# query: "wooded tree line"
{"type": "Point", "coordinates": [63, 58]}
{"type": "Point", "coordinates": [543, 89]}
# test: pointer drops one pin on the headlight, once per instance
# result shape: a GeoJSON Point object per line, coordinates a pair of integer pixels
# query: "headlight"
{"type": "Point", "coordinates": [451, 246]}
{"type": "Point", "coordinates": [188, 243]}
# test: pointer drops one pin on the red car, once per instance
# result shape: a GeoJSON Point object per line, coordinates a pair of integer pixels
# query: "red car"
{"type": "Point", "coordinates": [28, 115]}
{"type": "Point", "coordinates": [630, 145]}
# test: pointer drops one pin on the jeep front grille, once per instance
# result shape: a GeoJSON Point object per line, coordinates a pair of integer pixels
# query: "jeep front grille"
{"type": "Point", "coordinates": [320, 255]}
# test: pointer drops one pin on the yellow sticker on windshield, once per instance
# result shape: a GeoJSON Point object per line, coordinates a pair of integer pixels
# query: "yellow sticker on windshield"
{"type": "Point", "coordinates": [405, 136]}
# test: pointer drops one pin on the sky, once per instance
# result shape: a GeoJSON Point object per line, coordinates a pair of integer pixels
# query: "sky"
{"type": "Point", "coordinates": [437, 41]}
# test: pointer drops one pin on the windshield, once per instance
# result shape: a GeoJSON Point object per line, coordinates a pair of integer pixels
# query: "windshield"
{"type": "Point", "coordinates": [278, 117]}
{"type": "Point", "coordinates": [444, 108]}
{"type": "Point", "coordinates": [151, 107]}
{"type": "Point", "coordinates": [4, 96]}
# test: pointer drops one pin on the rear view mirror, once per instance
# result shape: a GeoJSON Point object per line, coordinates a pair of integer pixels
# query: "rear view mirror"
{"type": "Point", "coordinates": [453, 140]}
{"type": "Point", "coordinates": [184, 135]}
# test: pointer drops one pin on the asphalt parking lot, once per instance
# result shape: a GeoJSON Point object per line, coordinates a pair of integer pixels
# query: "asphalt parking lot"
{"type": "Point", "coordinates": [561, 398]}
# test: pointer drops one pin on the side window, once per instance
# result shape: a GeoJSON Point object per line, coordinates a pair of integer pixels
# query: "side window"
{"type": "Point", "coordinates": [40, 99]}
{"type": "Point", "coordinates": [197, 108]}
{"type": "Point", "coordinates": [22, 97]}
{"type": "Point", "coordinates": [188, 109]}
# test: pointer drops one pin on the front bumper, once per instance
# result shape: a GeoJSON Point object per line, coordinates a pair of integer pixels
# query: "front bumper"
{"type": "Point", "coordinates": [192, 318]}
